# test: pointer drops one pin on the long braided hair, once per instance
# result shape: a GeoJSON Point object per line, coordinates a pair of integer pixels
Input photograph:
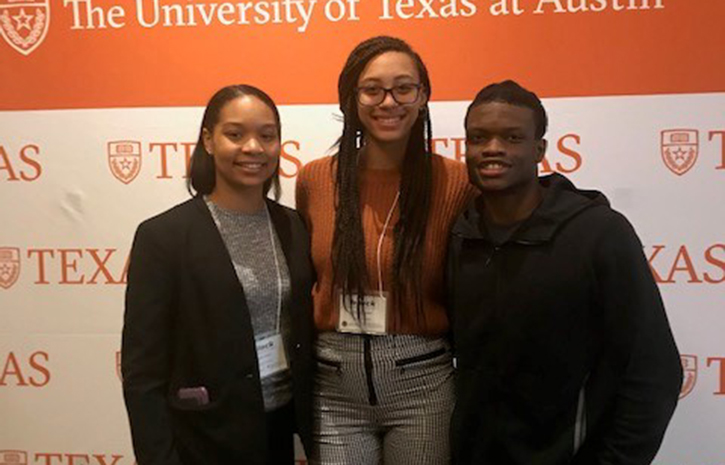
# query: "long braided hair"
{"type": "Point", "coordinates": [348, 249]}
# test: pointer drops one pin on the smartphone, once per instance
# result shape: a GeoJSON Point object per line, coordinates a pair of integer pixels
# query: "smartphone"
{"type": "Point", "coordinates": [198, 396]}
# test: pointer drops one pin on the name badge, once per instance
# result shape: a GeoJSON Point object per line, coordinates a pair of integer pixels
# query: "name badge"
{"type": "Point", "coordinates": [271, 355]}
{"type": "Point", "coordinates": [374, 311]}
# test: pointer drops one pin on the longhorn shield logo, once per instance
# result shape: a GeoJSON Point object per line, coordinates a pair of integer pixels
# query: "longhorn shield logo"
{"type": "Point", "coordinates": [24, 23]}
{"type": "Point", "coordinates": [679, 149]}
{"type": "Point", "coordinates": [13, 457]}
{"type": "Point", "coordinates": [689, 368]}
{"type": "Point", "coordinates": [9, 266]}
{"type": "Point", "coordinates": [124, 159]}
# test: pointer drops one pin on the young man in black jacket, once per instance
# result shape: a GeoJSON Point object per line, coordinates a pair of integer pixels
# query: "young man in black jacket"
{"type": "Point", "coordinates": [565, 355]}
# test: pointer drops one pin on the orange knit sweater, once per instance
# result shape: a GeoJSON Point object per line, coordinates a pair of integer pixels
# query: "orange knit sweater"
{"type": "Point", "coordinates": [315, 201]}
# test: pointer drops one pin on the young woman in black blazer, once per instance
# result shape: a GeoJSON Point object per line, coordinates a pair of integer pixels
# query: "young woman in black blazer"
{"type": "Point", "coordinates": [218, 331]}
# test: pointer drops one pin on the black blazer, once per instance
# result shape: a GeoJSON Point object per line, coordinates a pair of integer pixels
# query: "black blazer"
{"type": "Point", "coordinates": [187, 325]}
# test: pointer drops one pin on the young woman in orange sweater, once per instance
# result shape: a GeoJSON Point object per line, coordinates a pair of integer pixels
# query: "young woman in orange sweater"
{"type": "Point", "coordinates": [379, 213]}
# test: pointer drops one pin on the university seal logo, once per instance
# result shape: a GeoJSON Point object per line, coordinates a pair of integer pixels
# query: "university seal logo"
{"type": "Point", "coordinates": [9, 267]}
{"type": "Point", "coordinates": [679, 149]}
{"type": "Point", "coordinates": [13, 457]}
{"type": "Point", "coordinates": [689, 368]}
{"type": "Point", "coordinates": [124, 159]}
{"type": "Point", "coordinates": [24, 23]}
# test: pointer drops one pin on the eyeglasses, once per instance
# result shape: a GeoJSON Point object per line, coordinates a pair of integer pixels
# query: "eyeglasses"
{"type": "Point", "coordinates": [403, 94]}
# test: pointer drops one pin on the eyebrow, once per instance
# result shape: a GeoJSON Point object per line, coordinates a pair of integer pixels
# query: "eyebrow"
{"type": "Point", "coordinates": [395, 79]}
{"type": "Point", "coordinates": [506, 129]}
{"type": "Point", "coordinates": [236, 124]}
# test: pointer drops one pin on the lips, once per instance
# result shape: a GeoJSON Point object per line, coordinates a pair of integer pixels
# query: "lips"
{"type": "Point", "coordinates": [388, 121]}
{"type": "Point", "coordinates": [250, 166]}
{"type": "Point", "coordinates": [492, 167]}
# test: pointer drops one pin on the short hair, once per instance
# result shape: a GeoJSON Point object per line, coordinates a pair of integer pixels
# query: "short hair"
{"type": "Point", "coordinates": [512, 93]}
{"type": "Point", "coordinates": [202, 171]}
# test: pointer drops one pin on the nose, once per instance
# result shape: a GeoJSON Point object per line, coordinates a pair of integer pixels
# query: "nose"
{"type": "Point", "coordinates": [494, 146]}
{"type": "Point", "coordinates": [388, 100]}
{"type": "Point", "coordinates": [252, 145]}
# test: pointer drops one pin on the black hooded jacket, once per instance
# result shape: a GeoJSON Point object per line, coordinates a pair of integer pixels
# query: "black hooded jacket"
{"type": "Point", "coordinates": [564, 351]}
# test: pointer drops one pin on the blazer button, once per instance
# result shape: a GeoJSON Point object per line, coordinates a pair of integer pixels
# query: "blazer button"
{"type": "Point", "coordinates": [249, 376]}
{"type": "Point", "coordinates": [297, 346]}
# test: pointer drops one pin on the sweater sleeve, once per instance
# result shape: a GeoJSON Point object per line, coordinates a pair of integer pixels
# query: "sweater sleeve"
{"type": "Point", "coordinates": [639, 338]}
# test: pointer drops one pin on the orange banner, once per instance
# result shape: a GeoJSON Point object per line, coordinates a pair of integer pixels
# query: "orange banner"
{"type": "Point", "coordinates": [102, 53]}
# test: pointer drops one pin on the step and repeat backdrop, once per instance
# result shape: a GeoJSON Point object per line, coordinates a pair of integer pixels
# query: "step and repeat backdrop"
{"type": "Point", "coordinates": [100, 106]}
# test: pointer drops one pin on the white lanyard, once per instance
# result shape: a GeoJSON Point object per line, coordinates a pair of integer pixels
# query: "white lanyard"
{"type": "Point", "coordinates": [278, 324]}
{"type": "Point", "coordinates": [271, 355]}
{"type": "Point", "coordinates": [380, 244]}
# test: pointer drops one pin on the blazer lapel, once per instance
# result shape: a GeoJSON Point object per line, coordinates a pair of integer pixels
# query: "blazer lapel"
{"type": "Point", "coordinates": [210, 258]}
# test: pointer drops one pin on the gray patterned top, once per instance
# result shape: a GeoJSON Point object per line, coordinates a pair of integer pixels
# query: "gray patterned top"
{"type": "Point", "coordinates": [247, 238]}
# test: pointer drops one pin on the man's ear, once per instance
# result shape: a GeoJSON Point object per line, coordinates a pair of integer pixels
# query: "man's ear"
{"type": "Point", "coordinates": [541, 149]}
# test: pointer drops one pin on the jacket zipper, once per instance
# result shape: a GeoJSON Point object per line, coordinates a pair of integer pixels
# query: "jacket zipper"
{"type": "Point", "coordinates": [372, 396]}
{"type": "Point", "coordinates": [580, 423]}
{"type": "Point", "coordinates": [490, 255]}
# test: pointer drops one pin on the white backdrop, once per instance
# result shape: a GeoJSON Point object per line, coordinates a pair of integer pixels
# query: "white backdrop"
{"type": "Point", "coordinates": [67, 224]}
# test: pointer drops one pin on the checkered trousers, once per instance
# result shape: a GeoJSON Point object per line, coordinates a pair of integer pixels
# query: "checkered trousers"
{"type": "Point", "coordinates": [382, 399]}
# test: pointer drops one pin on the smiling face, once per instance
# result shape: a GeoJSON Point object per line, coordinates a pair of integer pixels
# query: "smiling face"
{"type": "Point", "coordinates": [245, 144]}
{"type": "Point", "coordinates": [389, 121]}
{"type": "Point", "coordinates": [502, 151]}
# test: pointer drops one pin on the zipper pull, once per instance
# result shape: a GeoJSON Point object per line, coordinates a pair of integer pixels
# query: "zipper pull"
{"type": "Point", "coordinates": [490, 256]}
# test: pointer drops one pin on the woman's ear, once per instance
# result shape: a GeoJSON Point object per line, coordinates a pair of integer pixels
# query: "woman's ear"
{"type": "Point", "coordinates": [207, 139]}
{"type": "Point", "coordinates": [423, 96]}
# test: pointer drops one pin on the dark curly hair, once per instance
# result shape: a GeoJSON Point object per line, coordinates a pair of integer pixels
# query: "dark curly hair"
{"type": "Point", "coordinates": [513, 93]}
